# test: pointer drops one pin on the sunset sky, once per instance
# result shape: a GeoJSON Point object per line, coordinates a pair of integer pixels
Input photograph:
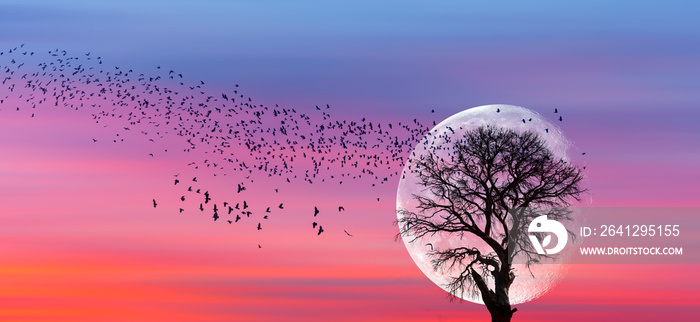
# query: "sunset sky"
{"type": "Point", "coordinates": [80, 239]}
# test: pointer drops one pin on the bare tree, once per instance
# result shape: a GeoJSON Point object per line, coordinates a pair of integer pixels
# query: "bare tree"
{"type": "Point", "coordinates": [486, 187]}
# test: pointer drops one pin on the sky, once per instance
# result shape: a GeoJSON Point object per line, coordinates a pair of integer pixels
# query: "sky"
{"type": "Point", "coordinates": [80, 239]}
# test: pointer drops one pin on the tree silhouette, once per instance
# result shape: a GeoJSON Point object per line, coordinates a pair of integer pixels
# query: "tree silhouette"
{"type": "Point", "coordinates": [487, 186]}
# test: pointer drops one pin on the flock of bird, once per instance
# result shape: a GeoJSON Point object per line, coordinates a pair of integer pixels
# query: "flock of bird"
{"type": "Point", "coordinates": [225, 133]}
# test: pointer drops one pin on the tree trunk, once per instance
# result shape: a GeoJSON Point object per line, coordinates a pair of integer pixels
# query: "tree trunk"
{"type": "Point", "coordinates": [497, 302]}
{"type": "Point", "coordinates": [501, 313]}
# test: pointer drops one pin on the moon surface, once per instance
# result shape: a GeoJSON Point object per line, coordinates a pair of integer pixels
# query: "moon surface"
{"type": "Point", "coordinates": [529, 284]}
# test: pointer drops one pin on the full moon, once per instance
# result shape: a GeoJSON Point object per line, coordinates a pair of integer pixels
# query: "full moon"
{"type": "Point", "coordinates": [530, 283]}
